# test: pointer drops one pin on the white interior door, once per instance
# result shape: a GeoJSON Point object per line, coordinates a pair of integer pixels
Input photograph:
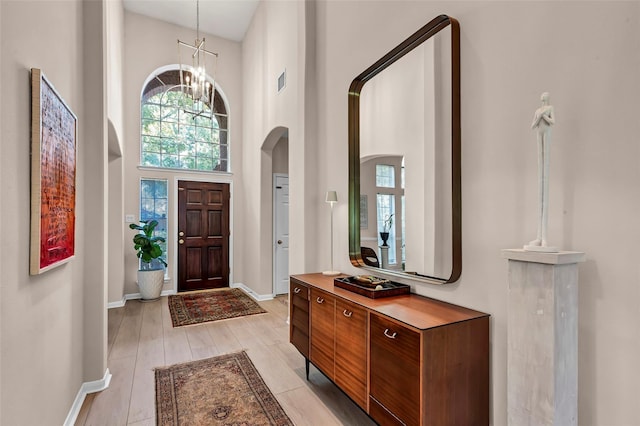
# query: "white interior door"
{"type": "Point", "coordinates": [281, 234]}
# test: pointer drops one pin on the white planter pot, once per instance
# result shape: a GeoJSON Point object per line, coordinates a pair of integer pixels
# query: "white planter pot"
{"type": "Point", "coordinates": [150, 284]}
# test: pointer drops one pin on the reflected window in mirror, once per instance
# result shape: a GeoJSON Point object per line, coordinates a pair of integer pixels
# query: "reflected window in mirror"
{"type": "Point", "coordinates": [386, 208]}
{"type": "Point", "coordinates": [382, 191]}
{"type": "Point", "coordinates": [385, 176]}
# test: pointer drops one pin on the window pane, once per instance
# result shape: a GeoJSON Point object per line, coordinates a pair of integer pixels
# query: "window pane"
{"type": "Point", "coordinates": [385, 176]}
{"type": "Point", "coordinates": [204, 163]}
{"type": "Point", "coordinates": [147, 189]}
{"type": "Point", "coordinates": [170, 161]}
{"type": "Point", "coordinates": [150, 111]}
{"type": "Point", "coordinates": [151, 144]}
{"type": "Point", "coordinates": [203, 149]}
{"type": "Point", "coordinates": [169, 146]}
{"type": "Point", "coordinates": [203, 121]}
{"type": "Point", "coordinates": [169, 130]}
{"type": "Point", "coordinates": [160, 207]}
{"type": "Point", "coordinates": [188, 162]}
{"type": "Point", "coordinates": [150, 127]}
{"type": "Point", "coordinates": [151, 159]}
{"type": "Point", "coordinates": [203, 134]}
{"type": "Point", "coordinates": [171, 115]}
{"type": "Point", "coordinates": [147, 207]}
{"type": "Point", "coordinates": [161, 190]}
{"type": "Point", "coordinates": [385, 206]}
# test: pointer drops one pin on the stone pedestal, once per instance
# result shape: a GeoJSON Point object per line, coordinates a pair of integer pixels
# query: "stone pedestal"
{"type": "Point", "coordinates": [384, 257]}
{"type": "Point", "coordinates": [542, 345]}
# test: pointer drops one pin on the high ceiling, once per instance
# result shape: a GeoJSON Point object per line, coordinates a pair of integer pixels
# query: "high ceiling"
{"type": "Point", "coordinates": [223, 18]}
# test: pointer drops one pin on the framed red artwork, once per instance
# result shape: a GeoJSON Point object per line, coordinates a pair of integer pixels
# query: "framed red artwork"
{"type": "Point", "coordinates": [54, 129]}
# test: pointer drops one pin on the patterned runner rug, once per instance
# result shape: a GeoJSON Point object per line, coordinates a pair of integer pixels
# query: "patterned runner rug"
{"type": "Point", "coordinates": [211, 305]}
{"type": "Point", "coordinates": [224, 390]}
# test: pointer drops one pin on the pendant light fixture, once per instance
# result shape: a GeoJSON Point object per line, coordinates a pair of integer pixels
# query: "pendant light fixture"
{"type": "Point", "coordinates": [194, 81]}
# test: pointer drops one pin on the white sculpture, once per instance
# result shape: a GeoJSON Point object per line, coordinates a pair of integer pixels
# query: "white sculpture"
{"type": "Point", "coordinates": [543, 119]}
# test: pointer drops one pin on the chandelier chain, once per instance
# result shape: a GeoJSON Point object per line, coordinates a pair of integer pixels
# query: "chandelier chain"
{"type": "Point", "coordinates": [197, 21]}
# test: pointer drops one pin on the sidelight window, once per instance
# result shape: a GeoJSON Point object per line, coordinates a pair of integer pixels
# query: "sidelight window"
{"type": "Point", "coordinates": [386, 209]}
{"type": "Point", "coordinates": [153, 206]}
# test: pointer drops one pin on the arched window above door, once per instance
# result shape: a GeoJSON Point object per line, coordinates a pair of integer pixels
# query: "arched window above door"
{"type": "Point", "coordinates": [172, 137]}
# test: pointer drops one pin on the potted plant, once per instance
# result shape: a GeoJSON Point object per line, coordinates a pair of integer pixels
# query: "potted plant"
{"type": "Point", "coordinates": [151, 272]}
{"type": "Point", "coordinates": [386, 226]}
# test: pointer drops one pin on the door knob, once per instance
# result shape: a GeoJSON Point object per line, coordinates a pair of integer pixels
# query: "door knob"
{"type": "Point", "coordinates": [180, 241]}
{"type": "Point", "coordinates": [181, 234]}
{"type": "Point", "coordinates": [279, 241]}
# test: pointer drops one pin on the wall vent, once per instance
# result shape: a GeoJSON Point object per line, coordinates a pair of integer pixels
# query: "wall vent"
{"type": "Point", "coordinates": [282, 81]}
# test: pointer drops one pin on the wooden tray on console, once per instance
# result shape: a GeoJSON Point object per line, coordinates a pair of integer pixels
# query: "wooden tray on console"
{"type": "Point", "coordinates": [389, 288]}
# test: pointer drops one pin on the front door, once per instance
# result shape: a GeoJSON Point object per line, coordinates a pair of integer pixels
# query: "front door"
{"type": "Point", "coordinates": [203, 235]}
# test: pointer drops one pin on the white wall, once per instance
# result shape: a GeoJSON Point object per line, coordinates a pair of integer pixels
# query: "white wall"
{"type": "Point", "coordinates": [114, 11]}
{"type": "Point", "coordinates": [275, 41]}
{"type": "Point", "coordinates": [281, 156]}
{"type": "Point", "coordinates": [94, 156]}
{"type": "Point", "coordinates": [151, 44]}
{"type": "Point", "coordinates": [53, 334]}
{"type": "Point", "coordinates": [586, 56]}
{"type": "Point", "coordinates": [115, 34]}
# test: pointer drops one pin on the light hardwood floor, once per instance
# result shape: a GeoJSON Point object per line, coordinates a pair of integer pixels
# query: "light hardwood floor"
{"type": "Point", "coordinates": [141, 337]}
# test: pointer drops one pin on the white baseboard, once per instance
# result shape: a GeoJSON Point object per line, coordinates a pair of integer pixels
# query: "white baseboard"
{"type": "Point", "coordinates": [85, 389]}
{"type": "Point", "coordinates": [117, 304]}
{"type": "Point", "coordinates": [134, 296]}
{"type": "Point", "coordinates": [250, 292]}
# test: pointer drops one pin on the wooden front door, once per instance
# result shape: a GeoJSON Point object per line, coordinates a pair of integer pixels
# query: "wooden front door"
{"type": "Point", "coordinates": [203, 235]}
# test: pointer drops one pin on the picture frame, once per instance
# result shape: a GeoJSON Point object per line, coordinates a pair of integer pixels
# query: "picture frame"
{"type": "Point", "coordinates": [54, 130]}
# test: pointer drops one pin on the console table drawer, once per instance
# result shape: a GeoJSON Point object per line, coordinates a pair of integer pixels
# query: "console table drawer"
{"type": "Point", "coordinates": [322, 325]}
{"type": "Point", "coordinates": [351, 350]}
{"type": "Point", "coordinates": [299, 317]}
{"type": "Point", "coordinates": [395, 368]}
{"type": "Point", "coordinates": [399, 340]}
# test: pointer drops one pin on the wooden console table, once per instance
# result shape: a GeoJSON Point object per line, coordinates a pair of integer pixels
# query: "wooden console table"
{"type": "Point", "coordinates": [404, 359]}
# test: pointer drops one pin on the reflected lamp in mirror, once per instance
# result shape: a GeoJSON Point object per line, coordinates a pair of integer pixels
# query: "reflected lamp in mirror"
{"type": "Point", "coordinates": [331, 197]}
{"type": "Point", "coordinates": [404, 158]}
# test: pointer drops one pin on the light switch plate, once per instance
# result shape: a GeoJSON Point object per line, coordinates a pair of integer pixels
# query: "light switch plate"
{"type": "Point", "coordinates": [129, 218]}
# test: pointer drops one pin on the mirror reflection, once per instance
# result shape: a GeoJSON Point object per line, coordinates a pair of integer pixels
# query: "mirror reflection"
{"type": "Point", "coordinates": [407, 161]}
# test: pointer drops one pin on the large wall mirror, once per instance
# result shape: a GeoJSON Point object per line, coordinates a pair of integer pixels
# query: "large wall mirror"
{"type": "Point", "coordinates": [404, 158]}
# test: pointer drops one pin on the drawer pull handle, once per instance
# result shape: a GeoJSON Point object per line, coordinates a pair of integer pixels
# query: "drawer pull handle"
{"type": "Point", "coordinates": [320, 300]}
{"type": "Point", "coordinates": [390, 336]}
{"type": "Point", "coordinates": [296, 290]}
{"type": "Point", "coordinates": [347, 313]}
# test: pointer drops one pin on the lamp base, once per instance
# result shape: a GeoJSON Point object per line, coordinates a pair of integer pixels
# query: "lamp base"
{"type": "Point", "coordinates": [331, 273]}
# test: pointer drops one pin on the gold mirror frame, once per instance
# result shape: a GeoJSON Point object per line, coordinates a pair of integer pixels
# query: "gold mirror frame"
{"type": "Point", "coordinates": [420, 36]}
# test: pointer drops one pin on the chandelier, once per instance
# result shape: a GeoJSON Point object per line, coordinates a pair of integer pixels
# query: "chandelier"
{"type": "Point", "coordinates": [193, 82]}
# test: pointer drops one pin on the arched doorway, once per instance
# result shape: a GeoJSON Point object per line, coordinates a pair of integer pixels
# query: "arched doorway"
{"type": "Point", "coordinates": [275, 214]}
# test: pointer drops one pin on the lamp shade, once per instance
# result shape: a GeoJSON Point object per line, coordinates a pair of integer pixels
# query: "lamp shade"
{"type": "Point", "coordinates": [332, 197]}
